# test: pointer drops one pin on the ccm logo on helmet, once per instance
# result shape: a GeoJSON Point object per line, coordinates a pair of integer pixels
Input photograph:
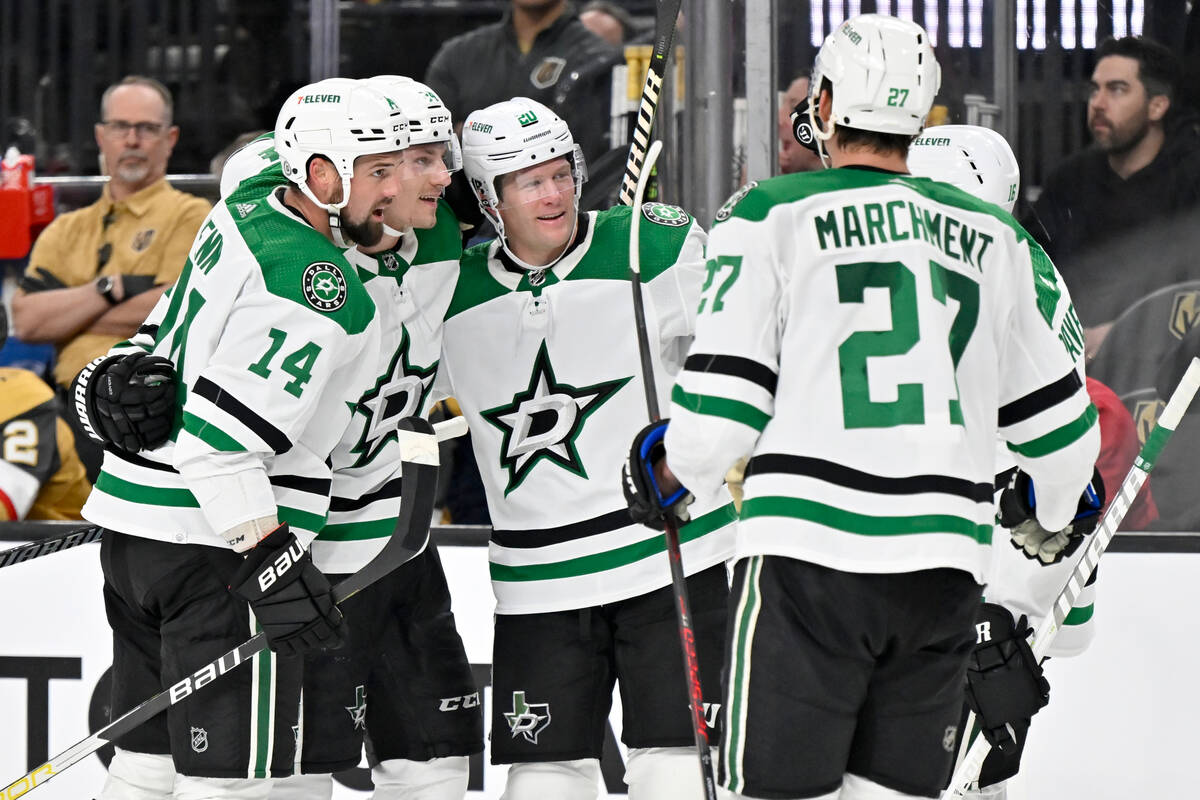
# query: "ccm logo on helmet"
{"type": "Point", "coordinates": [283, 562]}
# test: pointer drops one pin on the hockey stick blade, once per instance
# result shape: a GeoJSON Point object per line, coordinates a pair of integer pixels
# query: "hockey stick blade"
{"type": "Point", "coordinates": [664, 35]}
{"type": "Point", "coordinates": [967, 771]}
{"type": "Point", "coordinates": [418, 444]}
{"type": "Point", "coordinates": [52, 544]}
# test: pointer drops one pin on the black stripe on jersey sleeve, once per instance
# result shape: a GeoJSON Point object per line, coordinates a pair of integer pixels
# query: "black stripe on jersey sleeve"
{"type": "Point", "coordinates": [388, 490]}
{"type": "Point", "coordinates": [225, 401]}
{"type": "Point", "coordinates": [851, 478]}
{"type": "Point", "coordinates": [148, 330]}
{"type": "Point", "coordinates": [738, 367]}
{"type": "Point", "coordinates": [541, 537]}
{"type": "Point", "coordinates": [1039, 400]}
{"type": "Point", "coordinates": [301, 484]}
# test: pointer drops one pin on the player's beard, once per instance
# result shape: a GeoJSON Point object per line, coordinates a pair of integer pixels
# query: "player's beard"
{"type": "Point", "coordinates": [365, 232]}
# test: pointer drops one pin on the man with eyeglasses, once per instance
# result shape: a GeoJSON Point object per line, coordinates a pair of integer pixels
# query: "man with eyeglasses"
{"type": "Point", "coordinates": [95, 273]}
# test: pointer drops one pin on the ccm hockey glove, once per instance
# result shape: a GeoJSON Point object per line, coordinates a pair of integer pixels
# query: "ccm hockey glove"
{"type": "Point", "coordinates": [290, 597]}
{"type": "Point", "coordinates": [126, 401]}
{"type": "Point", "coordinates": [1017, 505]}
{"type": "Point", "coordinates": [1005, 688]}
{"type": "Point", "coordinates": [647, 504]}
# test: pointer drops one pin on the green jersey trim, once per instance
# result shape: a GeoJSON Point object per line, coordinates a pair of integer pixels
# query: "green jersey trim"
{"type": "Point", "coordinates": [1058, 438]}
{"type": "Point", "coordinates": [612, 559]}
{"type": "Point", "coordinates": [264, 664]}
{"type": "Point", "coordinates": [475, 282]}
{"type": "Point", "coordinates": [301, 519]}
{"type": "Point", "coordinates": [1078, 616]}
{"type": "Point", "coordinates": [709, 405]}
{"type": "Point", "coordinates": [210, 434]}
{"type": "Point", "coordinates": [862, 524]}
{"type": "Point", "coordinates": [358, 531]}
{"type": "Point", "coordinates": [145, 495]}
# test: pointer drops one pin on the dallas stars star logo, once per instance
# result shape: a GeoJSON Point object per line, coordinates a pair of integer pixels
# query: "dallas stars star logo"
{"type": "Point", "coordinates": [398, 393]}
{"type": "Point", "coordinates": [543, 421]}
{"type": "Point", "coordinates": [358, 711]}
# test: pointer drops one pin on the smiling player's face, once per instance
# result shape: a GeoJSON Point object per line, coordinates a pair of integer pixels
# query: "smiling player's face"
{"type": "Point", "coordinates": [537, 205]}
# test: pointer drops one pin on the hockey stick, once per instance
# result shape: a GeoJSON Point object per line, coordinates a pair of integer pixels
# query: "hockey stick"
{"type": "Point", "coordinates": [51, 544]}
{"type": "Point", "coordinates": [664, 35]}
{"type": "Point", "coordinates": [448, 429]}
{"type": "Point", "coordinates": [967, 771]}
{"type": "Point", "coordinates": [687, 637]}
{"type": "Point", "coordinates": [417, 489]}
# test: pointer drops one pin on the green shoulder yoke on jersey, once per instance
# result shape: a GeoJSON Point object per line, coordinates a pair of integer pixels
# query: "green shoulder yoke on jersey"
{"type": "Point", "coordinates": [661, 233]}
{"type": "Point", "coordinates": [297, 262]}
{"type": "Point", "coordinates": [475, 284]}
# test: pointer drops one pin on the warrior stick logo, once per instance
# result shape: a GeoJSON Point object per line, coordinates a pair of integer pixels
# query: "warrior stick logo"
{"type": "Point", "coordinates": [527, 719]}
{"type": "Point", "coordinates": [324, 286]}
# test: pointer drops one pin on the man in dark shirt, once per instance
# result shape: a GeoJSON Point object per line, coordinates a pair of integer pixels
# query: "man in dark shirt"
{"type": "Point", "coordinates": [540, 50]}
{"type": "Point", "coordinates": [1104, 213]}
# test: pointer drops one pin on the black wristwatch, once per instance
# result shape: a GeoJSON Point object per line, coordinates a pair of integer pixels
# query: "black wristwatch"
{"type": "Point", "coordinates": [105, 287]}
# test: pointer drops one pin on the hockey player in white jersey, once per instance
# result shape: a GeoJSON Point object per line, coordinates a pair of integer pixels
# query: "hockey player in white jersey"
{"type": "Point", "coordinates": [861, 335]}
{"type": "Point", "coordinates": [404, 661]}
{"type": "Point", "coordinates": [539, 349]}
{"type": "Point", "coordinates": [1018, 593]}
{"type": "Point", "coordinates": [267, 327]}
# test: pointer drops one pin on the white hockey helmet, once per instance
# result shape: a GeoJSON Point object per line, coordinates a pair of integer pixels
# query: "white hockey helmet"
{"type": "Point", "coordinates": [975, 159]}
{"type": "Point", "coordinates": [884, 76]}
{"type": "Point", "coordinates": [512, 135]}
{"type": "Point", "coordinates": [339, 119]}
{"type": "Point", "coordinates": [429, 119]}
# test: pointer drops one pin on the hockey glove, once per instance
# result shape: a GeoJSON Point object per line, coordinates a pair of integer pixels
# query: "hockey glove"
{"type": "Point", "coordinates": [1005, 684]}
{"type": "Point", "coordinates": [126, 401]}
{"type": "Point", "coordinates": [1017, 505]}
{"type": "Point", "coordinates": [647, 504]}
{"type": "Point", "coordinates": [291, 599]}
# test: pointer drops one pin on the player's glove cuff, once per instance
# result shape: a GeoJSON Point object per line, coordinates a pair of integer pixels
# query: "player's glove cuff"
{"type": "Point", "coordinates": [126, 401]}
{"type": "Point", "coordinates": [647, 503]}
{"type": "Point", "coordinates": [1017, 506]}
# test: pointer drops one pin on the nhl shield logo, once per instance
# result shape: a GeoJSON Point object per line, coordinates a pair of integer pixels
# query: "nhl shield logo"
{"type": "Point", "coordinates": [390, 262]}
{"type": "Point", "coordinates": [663, 214]}
{"type": "Point", "coordinates": [546, 73]}
{"type": "Point", "coordinates": [324, 286]}
{"type": "Point", "coordinates": [199, 740]}
{"type": "Point", "coordinates": [1185, 310]}
{"type": "Point", "coordinates": [141, 240]}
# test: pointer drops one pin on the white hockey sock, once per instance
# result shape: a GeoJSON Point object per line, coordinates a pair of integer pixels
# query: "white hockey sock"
{"type": "Point", "coordinates": [435, 779]}
{"type": "Point", "coordinates": [561, 780]}
{"type": "Point", "coordinates": [857, 788]}
{"type": "Point", "coordinates": [189, 787]}
{"type": "Point", "coordinates": [663, 773]}
{"type": "Point", "coordinates": [139, 776]}
{"type": "Point", "coordinates": [303, 787]}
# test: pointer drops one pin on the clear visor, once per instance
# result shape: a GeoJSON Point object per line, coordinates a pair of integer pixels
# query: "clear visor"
{"type": "Point", "coordinates": [431, 158]}
{"type": "Point", "coordinates": [562, 176]}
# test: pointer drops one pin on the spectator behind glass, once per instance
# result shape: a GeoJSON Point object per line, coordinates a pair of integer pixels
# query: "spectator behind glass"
{"type": "Point", "coordinates": [608, 21]}
{"type": "Point", "coordinates": [95, 273]}
{"type": "Point", "coordinates": [1102, 212]}
{"type": "Point", "coordinates": [793, 156]}
{"type": "Point", "coordinates": [40, 475]}
{"type": "Point", "coordinates": [541, 50]}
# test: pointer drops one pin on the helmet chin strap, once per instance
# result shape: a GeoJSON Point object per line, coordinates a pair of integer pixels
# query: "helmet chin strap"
{"type": "Point", "coordinates": [821, 135]}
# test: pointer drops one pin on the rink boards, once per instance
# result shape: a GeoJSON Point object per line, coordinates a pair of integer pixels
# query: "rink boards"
{"type": "Point", "coordinates": [1120, 723]}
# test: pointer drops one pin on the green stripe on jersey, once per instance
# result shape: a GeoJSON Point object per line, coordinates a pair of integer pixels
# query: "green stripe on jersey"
{"type": "Point", "coordinates": [1078, 616]}
{"type": "Point", "coordinates": [211, 435]}
{"type": "Point", "coordinates": [301, 519]}
{"type": "Point", "coordinates": [145, 495]}
{"type": "Point", "coordinates": [712, 406]}
{"type": "Point", "coordinates": [1058, 438]}
{"type": "Point", "coordinates": [264, 664]}
{"type": "Point", "coordinates": [612, 559]}
{"type": "Point", "coordinates": [358, 531]}
{"type": "Point", "coordinates": [863, 524]}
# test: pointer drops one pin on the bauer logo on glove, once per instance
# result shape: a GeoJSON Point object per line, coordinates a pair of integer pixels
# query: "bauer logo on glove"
{"type": "Point", "coordinates": [1018, 503]}
{"type": "Point", "coordinates": [640, 480]}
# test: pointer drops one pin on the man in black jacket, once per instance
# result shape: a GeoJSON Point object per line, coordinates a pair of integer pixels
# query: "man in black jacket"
{"type": "Point", "coordinates": [1116, 197]}
{"type": "Point", "coordinates": [539, 50]}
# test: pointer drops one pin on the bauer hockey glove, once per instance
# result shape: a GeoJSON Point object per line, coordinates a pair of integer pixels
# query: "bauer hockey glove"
{"type": "Point", "coordinates": [291, 599]}
{"type": "Point", "coordinates": [1017, 504]}
{"type": "Point", "coordinates": [126, 401]}
{"type": "Point", "coordinates": [1005, 687]}
{"type": "Point", "coordinates": [647, 504]}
